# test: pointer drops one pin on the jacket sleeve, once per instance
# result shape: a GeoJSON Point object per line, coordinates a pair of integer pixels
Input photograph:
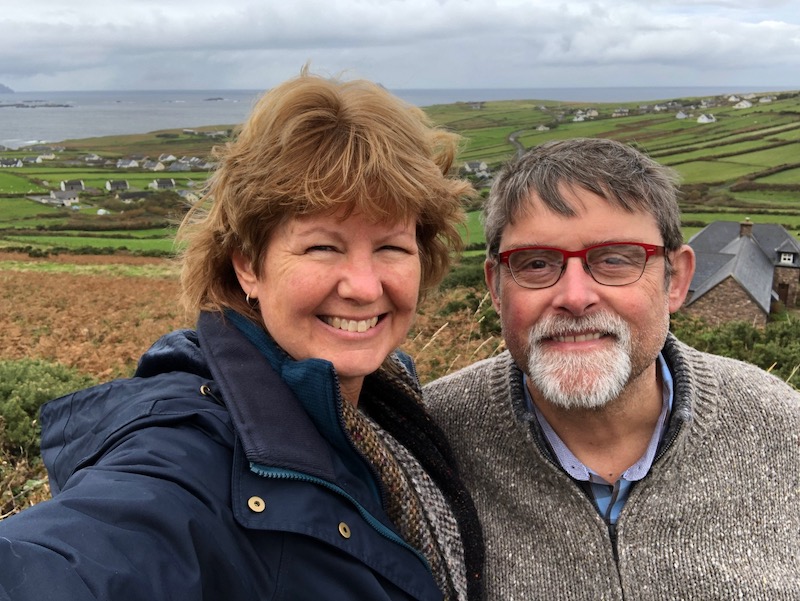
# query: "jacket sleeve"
{"type": "Point", "coordinates": [138, 519]}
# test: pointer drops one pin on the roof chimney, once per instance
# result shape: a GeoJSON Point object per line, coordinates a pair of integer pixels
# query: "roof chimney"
{"type": "Point", "coordinates": [746, 228]}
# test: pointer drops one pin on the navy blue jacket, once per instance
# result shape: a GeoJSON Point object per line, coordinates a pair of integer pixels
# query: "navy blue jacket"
{"type": "Point", "coordinates": [214, 473]}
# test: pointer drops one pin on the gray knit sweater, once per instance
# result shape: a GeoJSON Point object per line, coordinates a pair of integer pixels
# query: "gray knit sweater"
{"type": "Point", "coordinates": [718, 517]}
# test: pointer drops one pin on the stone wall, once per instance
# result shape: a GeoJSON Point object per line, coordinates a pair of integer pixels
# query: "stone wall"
{"type": "Point", "coordinates": [790, 276]}
{"type": "Point", "coordinates": [726, 302]}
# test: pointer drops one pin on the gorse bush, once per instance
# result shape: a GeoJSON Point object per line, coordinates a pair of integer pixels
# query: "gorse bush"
{"type": "Point", "coordinates": [24, 386]}
{"type": "Point", "coordinates": [775, 348]}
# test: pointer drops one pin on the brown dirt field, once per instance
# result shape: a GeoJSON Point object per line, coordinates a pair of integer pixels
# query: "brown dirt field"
{"type": "Point", "coordinates": [100, 324]}
{"type": "Point", "coordinates": [96, 324]}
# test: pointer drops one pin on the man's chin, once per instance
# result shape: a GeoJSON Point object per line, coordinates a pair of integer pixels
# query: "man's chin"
{"type": "Point", "coordinates": [591, 382]}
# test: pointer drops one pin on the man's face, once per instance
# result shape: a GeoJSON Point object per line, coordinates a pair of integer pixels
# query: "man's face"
{"type": "Point", "coordinates": [582, 343]}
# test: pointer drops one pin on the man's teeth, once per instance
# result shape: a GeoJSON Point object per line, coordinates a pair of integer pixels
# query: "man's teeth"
{"type": "Point", "coordinates": [578, 337]}
{"type": "Point", "coordinates": [351, 325]}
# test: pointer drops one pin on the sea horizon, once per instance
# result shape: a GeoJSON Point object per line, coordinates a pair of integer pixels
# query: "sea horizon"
{"type": "Point", "coordinates": [54, 116]}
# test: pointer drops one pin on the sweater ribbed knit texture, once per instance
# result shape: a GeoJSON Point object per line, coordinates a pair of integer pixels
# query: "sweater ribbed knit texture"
{"type": "Point", "coordinates": [717, 517]}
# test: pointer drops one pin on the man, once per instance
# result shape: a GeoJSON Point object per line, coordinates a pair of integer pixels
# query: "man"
{"type": "Point", "coordinates": [607, 459]}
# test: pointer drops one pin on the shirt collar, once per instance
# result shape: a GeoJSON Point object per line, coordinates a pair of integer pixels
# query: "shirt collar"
{"type": "Point", "coordinates": [575, 468]}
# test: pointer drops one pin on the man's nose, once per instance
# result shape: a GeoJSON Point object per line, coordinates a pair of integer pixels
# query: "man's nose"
{"type": "Point", "coordinates": [576, 290]}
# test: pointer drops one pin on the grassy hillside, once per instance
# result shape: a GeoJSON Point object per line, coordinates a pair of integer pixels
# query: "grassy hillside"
{"type": "Point", "coordinates": [746, 163]}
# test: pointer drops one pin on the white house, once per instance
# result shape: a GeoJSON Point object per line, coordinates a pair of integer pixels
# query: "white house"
{"type": "Point", "coordinates": [153, 166]}
{"type": "Point", "coordinates": [476, 168]}
{"type": "Point", "coordinates": [188, 196]}
{"type": "Point", "coordinates": [70, 185]}
{"type": "Point", "coordinates": [743, 104]}
{"type": "Point", "coordinates": [162, 184]}
{"type": "Point", "coordinates": [117, 185]}
{"type": "Point", "coordinates": [706, 118]}
{"type": "Point", "coordinates": [64, 198]}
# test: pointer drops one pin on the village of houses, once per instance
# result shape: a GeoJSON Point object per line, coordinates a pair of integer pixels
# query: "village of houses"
{"type": "Point", "coordinates": [67, 193]}
{"type": "Point", "coordinates": [702, 113]}
{"type": "Point", "coordinates": [745, 271]}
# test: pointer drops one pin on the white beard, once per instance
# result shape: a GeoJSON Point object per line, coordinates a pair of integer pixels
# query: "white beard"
{"type": "Point", "coordinates": [580, 380]}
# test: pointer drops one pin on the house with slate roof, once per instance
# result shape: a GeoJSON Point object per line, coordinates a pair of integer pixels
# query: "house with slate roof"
{"type": "Point", "coordinates": [744, 272]}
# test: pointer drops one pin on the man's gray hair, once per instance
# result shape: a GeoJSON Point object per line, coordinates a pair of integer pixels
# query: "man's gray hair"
{"type": "Point", "coordinates": [622, 175]}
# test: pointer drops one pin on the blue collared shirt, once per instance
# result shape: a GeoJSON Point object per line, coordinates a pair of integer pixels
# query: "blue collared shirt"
{"type": "Point", "coordinates": [609, 498]}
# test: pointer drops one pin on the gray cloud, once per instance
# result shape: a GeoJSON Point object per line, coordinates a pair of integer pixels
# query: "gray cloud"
{"type": "Point", "coordinates": [402, 43]}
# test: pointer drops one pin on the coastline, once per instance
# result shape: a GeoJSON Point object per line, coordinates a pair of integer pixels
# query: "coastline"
{"type": "Point", "coordinates": [50, 117]}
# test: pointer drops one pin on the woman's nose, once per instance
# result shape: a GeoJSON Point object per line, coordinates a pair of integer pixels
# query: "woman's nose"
{"type": "Point", "coordinates": [360, 281]}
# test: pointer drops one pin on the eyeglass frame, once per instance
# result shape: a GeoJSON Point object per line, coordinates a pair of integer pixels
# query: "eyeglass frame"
{"type": "Point", "coordinates": [651, 250]}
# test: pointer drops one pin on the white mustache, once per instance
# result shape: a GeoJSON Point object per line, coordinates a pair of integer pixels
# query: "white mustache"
{"type": "Point", "coordinates": [577, 328]}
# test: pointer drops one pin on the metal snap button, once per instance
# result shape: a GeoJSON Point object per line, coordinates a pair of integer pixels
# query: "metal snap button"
{"type": "Point", "coordinates": [344, 530]}
{"type": "Point", "coordinates": [256, 504]}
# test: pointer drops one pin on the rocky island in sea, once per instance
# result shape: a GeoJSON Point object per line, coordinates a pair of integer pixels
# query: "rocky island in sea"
{"type": "Point", "coordinates": [5, 89]}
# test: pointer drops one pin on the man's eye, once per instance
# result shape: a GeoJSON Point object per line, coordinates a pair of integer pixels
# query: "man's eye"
{"type": "Point", "coordinates": [534, 264]}
{"type": "Point", "coordinates": [613, 260]}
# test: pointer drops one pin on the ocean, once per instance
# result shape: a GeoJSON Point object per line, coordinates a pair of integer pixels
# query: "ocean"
{"type": "Point", "coordinates": [32, 117]}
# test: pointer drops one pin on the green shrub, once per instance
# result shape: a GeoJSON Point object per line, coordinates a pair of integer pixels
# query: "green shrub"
{"type": "Point", "coordinates": [24, 386]}
{"type": "Point", "coordinates": [775, 347]}
{"type": "Point", "coordinates": [467, 273]}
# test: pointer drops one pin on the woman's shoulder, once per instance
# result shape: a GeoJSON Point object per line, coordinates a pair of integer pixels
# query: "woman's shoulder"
{"type": "Point", "coordinates": [85, 424]}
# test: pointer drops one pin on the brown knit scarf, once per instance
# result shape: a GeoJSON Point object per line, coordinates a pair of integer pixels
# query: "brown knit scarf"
{"type": "Point", "coordinates": [425, 499]}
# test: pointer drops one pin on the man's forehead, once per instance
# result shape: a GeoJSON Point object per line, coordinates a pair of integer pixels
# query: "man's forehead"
{"type": "Point", "coordinates": [597, 218]}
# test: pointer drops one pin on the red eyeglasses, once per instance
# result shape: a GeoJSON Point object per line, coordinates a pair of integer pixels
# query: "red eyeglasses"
{"type": "Point", "coordinates": [610, 264]}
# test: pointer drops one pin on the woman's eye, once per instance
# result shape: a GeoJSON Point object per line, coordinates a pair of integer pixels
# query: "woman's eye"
{"type": "Point", "coordinates": [321, 248]}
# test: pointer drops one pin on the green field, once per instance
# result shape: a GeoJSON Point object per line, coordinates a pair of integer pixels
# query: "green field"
{"type": "Point", "coordinates": [137, 245]}
{"type": "Point", "coordinates": [159, 270]}
{"type": "Point", "coordinates": [759, 147]}
{"type": "Point", "coordinates": [790, 176]}
{"type": "Point", "coordinates": [15, 209]}
{"type": "Point", "coordinates": [11, 182]}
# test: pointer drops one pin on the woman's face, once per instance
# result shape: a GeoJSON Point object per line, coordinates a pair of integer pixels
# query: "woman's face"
{"type": "Point", "coordinates": [344, 290]}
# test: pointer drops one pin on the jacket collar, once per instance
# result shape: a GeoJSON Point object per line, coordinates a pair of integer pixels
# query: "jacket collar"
{"type": "Point", "coordinates": [287, 413]}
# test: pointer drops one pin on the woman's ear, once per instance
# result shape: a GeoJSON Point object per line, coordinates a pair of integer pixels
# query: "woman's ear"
{"type": "Point", "coordinates": [248, 279]}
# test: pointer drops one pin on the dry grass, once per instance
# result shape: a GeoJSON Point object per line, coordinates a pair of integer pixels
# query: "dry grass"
{"type": "Point", "coordinates": [100, 324]}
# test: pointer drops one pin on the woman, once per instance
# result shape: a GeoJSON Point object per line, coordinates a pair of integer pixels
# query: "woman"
{"type": "Point", "coordinates": [281, 451]}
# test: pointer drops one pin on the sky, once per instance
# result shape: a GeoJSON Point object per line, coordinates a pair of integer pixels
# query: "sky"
{"type": "Point", "coordinates": [55, 45]}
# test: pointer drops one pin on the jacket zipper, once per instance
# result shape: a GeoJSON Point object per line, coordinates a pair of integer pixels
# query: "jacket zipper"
{"type": "Point", "coordinates": [279, 473]}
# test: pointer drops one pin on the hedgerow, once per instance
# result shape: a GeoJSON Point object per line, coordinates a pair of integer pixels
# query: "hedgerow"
{"type": "Point", "coordinates": [24, 386]}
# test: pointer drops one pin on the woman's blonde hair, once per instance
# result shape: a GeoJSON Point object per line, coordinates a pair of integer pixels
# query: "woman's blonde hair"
{"type": "Point", "coordinates": [314, 145]}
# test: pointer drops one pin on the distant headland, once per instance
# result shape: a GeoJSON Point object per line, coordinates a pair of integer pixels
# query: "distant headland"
{"type": "Point", "coordinates": [5, 89]}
